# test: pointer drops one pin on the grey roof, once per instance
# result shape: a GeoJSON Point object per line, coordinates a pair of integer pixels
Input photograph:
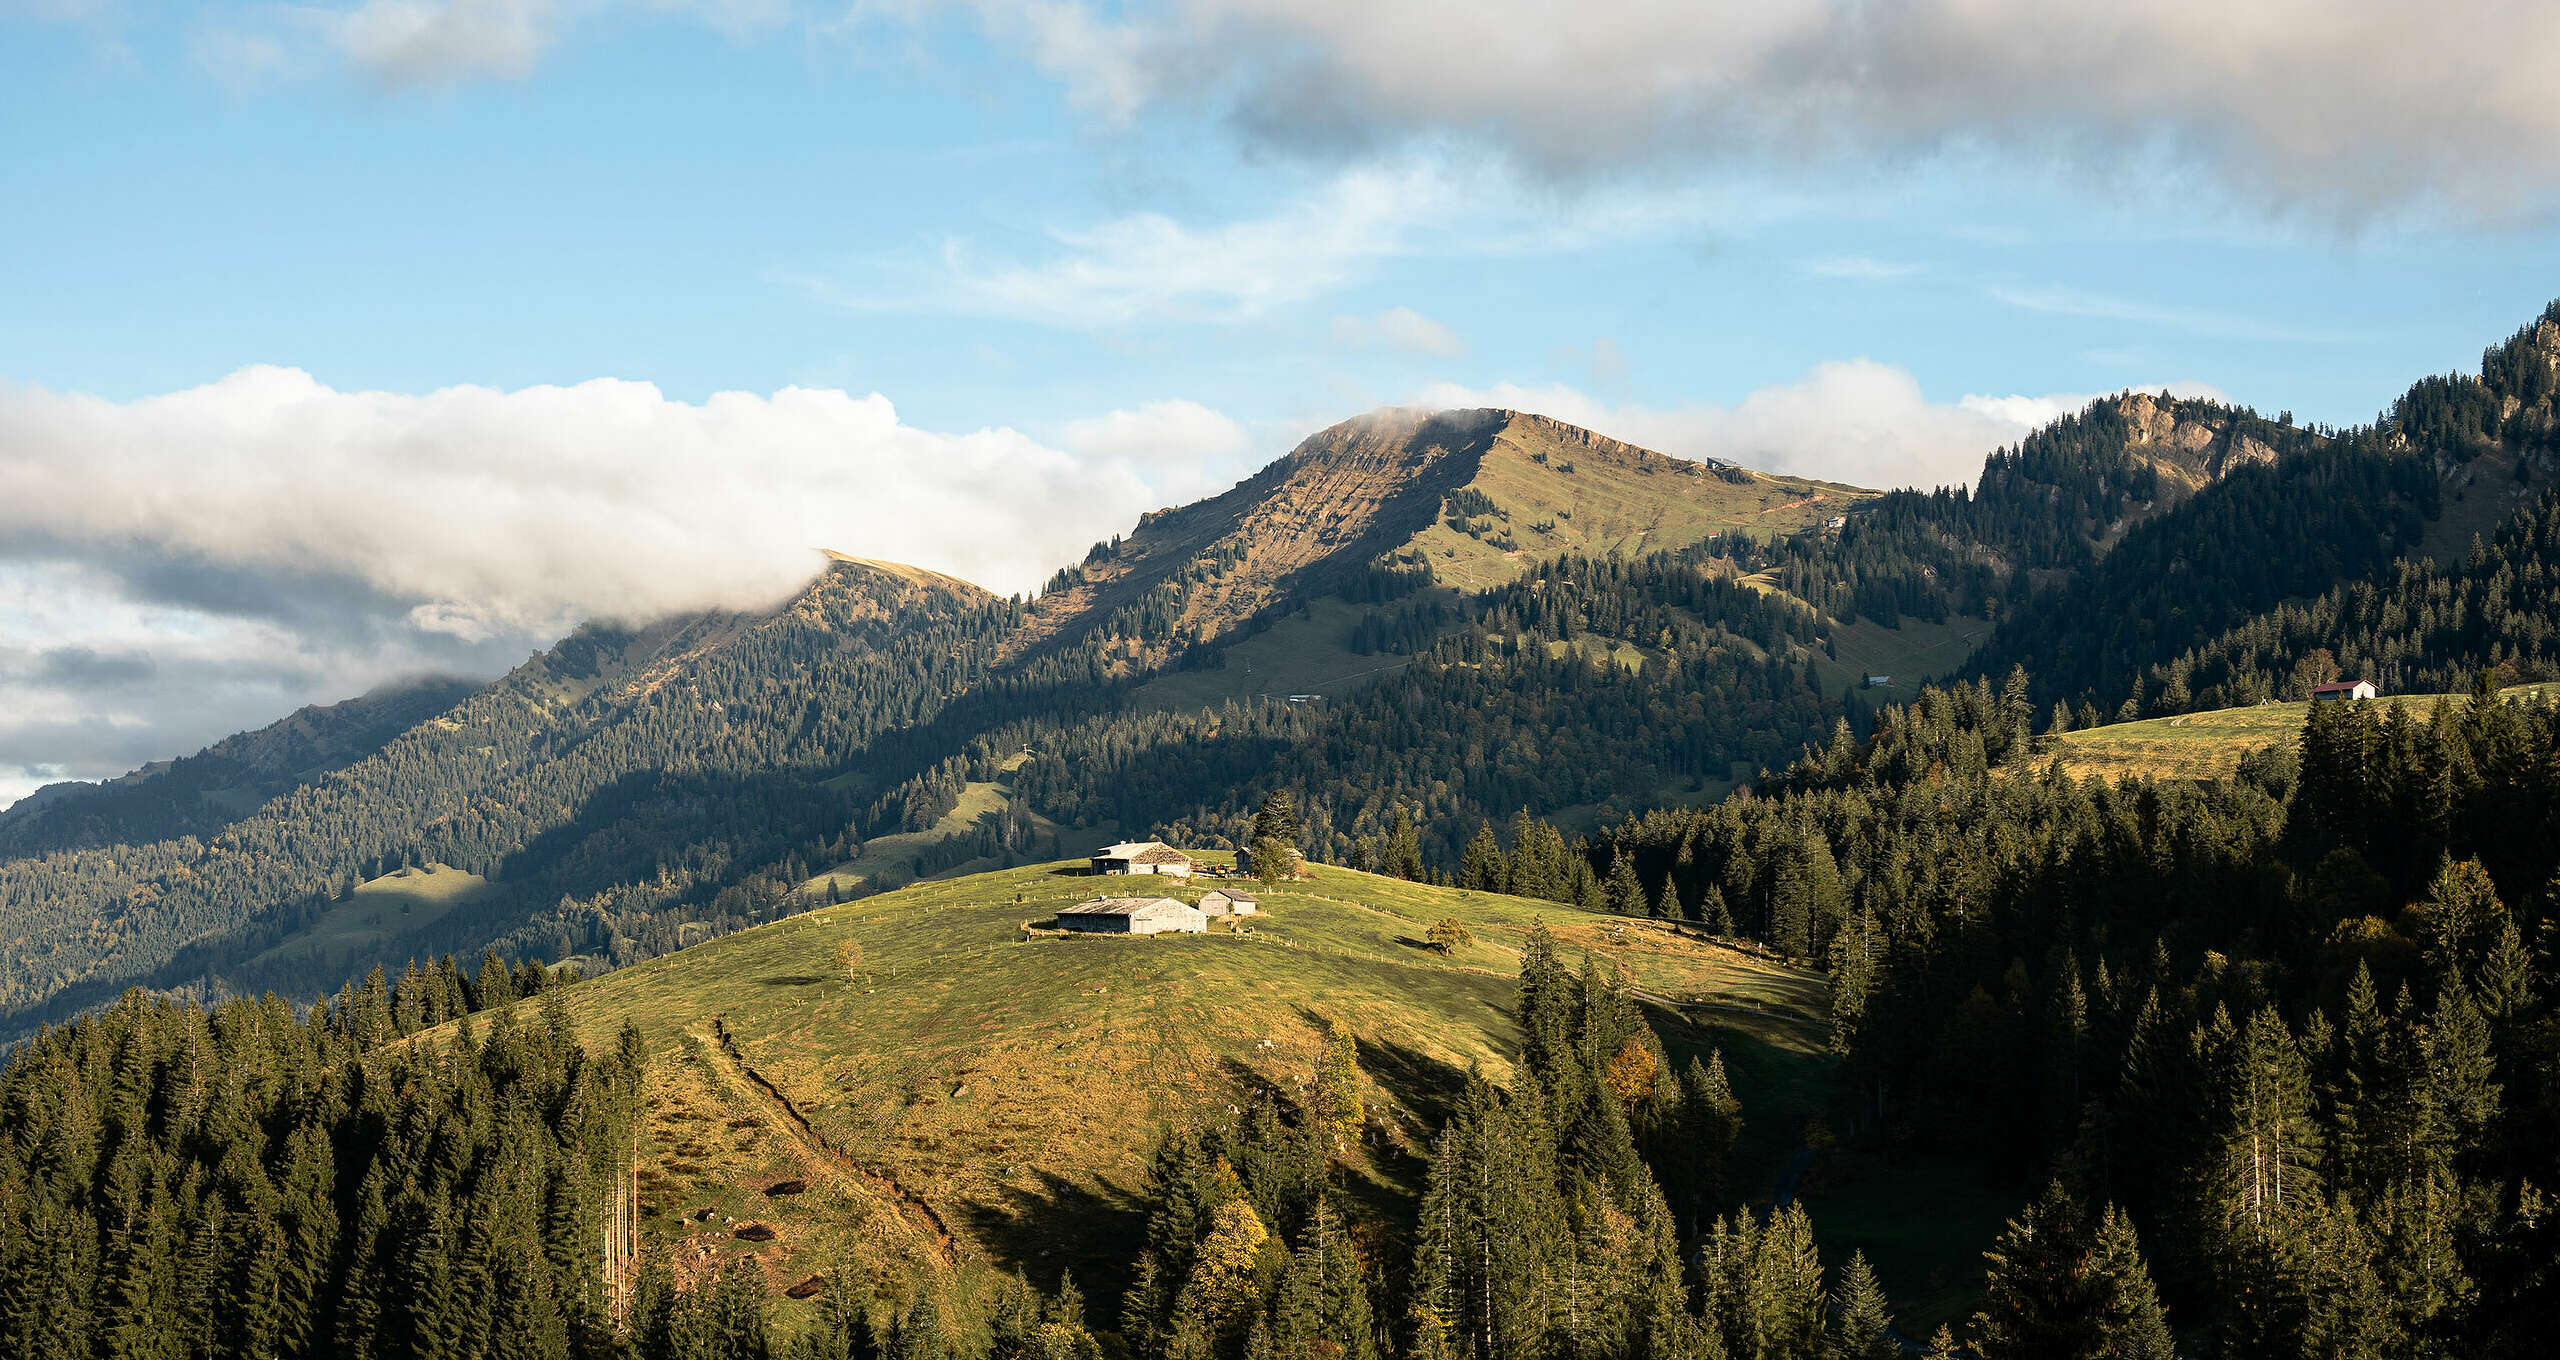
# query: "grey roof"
{"type": "Point", "coordinates": [1234, 895]}
{"type": "Point", "coordinates": [1122, 906]}
{"type": "Point", "coordinates": [1143, 852]}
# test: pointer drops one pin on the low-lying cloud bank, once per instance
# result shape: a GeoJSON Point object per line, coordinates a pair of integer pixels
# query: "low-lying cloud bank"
{"type": "Point", "coordinates": [179, 567]}
{"type": "Point", "coordinates": [176, 567]}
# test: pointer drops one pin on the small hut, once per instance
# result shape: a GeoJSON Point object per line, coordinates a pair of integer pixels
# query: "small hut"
{"type": "Point", "coordinates": [1133, 916]}
{"type": "Point", "coordinates": [1228, 902]}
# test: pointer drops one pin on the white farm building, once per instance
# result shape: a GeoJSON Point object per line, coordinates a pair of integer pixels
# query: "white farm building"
{"type": "Point", "coordinates": [1228, 902]}
{"type": "Point", "coordinates": [1142, 857]}
{"type": "Point", "coordinates": [1133, 916]}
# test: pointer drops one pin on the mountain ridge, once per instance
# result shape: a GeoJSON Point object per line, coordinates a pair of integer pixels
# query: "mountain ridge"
{"type": "Point", "coordinates": [1527, 614]}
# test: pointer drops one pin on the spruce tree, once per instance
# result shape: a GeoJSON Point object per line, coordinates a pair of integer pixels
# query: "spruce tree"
{"type": "Point", "coordinates": [1481, 865]}
{"type": "Point", "coordinates": [1862, 1322]}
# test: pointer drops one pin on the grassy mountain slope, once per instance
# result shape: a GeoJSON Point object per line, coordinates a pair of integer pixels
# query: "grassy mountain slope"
{"type": "Point", "coordinates": [1470, 496]}
{"type": "Point", "coordinates": [2209, 745]}
{"type": "Point", "coordinates": [1542, 488]}
{"type": "Point", "coordinates": [967, 1097]}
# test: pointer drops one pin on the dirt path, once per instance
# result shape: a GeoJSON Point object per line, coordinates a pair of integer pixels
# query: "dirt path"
{"type": "Point", "coordinates": [914, 1210]}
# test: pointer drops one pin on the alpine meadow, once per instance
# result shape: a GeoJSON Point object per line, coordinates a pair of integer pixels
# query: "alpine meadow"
{"type": "Point", "coordinates": [1671, 837]}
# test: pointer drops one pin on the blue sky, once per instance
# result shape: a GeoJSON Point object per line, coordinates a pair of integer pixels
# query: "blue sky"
{"type": "Point", "coordinates": [342, 341]}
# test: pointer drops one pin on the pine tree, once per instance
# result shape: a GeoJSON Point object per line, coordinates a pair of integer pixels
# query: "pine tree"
{"type": "Point", "coordinates": [2264, 1164]}
{"type": "Point", "coordinates": [1711, 1124]}
{"type": "Point", "coordinates": [1481, 865]}
{"type": "Point", "coordinates": [1862, 1325]}
{"type": "Point", "coordinates": [1713, 915]}
{"type": "Point", "coordinates": [920, 1335]}
{"type": "Point", "coordinates": [1853, 969]}
{"type": "Point", "coordinates": [738, 1306]}
{"type": "Point", "coordinates": [2047, 1293]}
{"type": "Point", "coordinates": [1403, 852]}
{"type": "Point", "coordinates": [2131, 1323]}
{"type": "Point", "coordinates": [1625, 892]}
{"type": "Point", "coordinates": [2461, 918]}
{"type": "Point", "coordinates": [1143, 1309]}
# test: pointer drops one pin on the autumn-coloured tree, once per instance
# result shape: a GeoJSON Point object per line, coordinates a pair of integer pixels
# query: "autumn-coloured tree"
{"type": "Point", "coordinates": [1223, 1286]}
{"type": "Point", "coordinates": [1632, 1071]}
{"type": "Point", "coordinates": [1448, 933]}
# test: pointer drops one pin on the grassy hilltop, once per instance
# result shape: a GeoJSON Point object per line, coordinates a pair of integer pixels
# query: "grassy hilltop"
{"type": "Point", "coordinates": [2209, 745]}
{"type": "Point", "coordinates": [966, 1098]}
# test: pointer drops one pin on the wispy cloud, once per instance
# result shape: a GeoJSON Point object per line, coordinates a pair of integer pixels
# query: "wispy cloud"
{"type": "Point", "coordinates": [1863, 267]}
{"type": "Point", "coordinates": [404, 45]}
{"type": "Point", "coordinates": [2213, 325]}
{"type": "Point", "coordinates": [1400, 328]}
{"type": "Point", "coordinates": [1153, 267]}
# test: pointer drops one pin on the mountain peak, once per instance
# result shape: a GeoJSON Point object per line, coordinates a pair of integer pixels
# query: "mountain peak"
{"type": "Point", "coordinates": [925, 577]}
{"type": "Point", "coordinates": [1470, 497]}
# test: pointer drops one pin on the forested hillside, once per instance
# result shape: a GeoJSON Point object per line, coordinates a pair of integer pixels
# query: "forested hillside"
{"type": "Point", "coordinates": [668, 756]}
{"type": "Point", "coordinates": [2261, 1063]}
{"type": "Point", "coordinates": [198, 794]}
{"type": "Point", "coordinates": [2299, 1026]}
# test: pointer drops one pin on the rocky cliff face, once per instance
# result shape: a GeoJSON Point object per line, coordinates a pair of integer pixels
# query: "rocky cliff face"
{"type": "Point", "coordinates": [2192, 443]}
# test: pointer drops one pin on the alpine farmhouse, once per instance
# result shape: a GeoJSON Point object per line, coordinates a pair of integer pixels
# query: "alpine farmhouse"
{"type": "Point", "coordinates": [1143, 857]}
{"type": "Point", "coordinates": [1133, 916]}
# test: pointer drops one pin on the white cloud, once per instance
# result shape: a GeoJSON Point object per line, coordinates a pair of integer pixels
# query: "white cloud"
{"type": "Point", "coordinates": [440, 42]}
{"type": "Point", "coordinates": [1609, 362]}
{"type": "Point", "coordinates": [1180, 450]}
{"type": "Point", "coordinates": [1149, 266]}
{"type": "Point", "coordinates": [57, 11]}
{"type": "Point", "coordinates": [2194, 321]}
{"type": "Point", "coordinates": [1861, 267]}
{"type": "Point", "coordinates": [266, 541]}
{"type": "Point", "coordinates": [2026, 413]}
{"type": "Point", "coordinates": [2338, 106]}
{"type": "Point", "coordinates": [1852, 420]}
{"type": "Point", "coordinates": [1398, 328]}
{"type": "Point", "coordinates": [433, 44]}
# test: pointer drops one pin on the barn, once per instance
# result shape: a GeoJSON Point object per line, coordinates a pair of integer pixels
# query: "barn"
{"type": "Point", "coordinates": [1228, 902]}
{"type": "Point", "coordinates": [1143, 857]}
{"type": "Point", "coordinates": [1133, 916]}
{"type": "Point", "coordinates": [2345, 689]}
